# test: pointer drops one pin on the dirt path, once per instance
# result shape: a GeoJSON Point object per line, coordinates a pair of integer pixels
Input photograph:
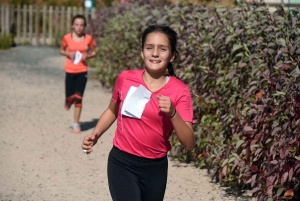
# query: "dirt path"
{"type": "Point", "coordinates": [40, 158]}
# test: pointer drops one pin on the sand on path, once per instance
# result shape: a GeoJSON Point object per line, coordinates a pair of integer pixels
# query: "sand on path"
{"type": "Point", "coordinates": [40, 157]}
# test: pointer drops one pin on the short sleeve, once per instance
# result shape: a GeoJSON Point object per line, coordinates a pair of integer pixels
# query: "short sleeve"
{"type": "Point", "coordinates": [64, 42]}
{"type": "Point", "coordinates": [92, 43]}
{"type": "Point", "coordinates": [118, 88]}
{"type": "Point", "coordinates": [184, 106]}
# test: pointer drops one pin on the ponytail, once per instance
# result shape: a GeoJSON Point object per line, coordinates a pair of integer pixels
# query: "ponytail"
{"type": "Point", "coordinates": [171, 70]}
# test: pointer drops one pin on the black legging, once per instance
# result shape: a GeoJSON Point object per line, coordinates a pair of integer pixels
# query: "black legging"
{"type": "Point", "coordinates": [75, 85]}
{"type": "Point", "coordinates": [132, 178]}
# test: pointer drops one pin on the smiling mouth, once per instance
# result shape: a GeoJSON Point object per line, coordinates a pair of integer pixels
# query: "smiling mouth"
{"type": "Point", "coordinates": [155, 62]}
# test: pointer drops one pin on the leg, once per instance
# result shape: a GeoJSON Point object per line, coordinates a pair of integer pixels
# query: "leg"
{"type": "Point", "coordinates": [81, 80]}
{"type": "Point", "coordinates": [69, 90]}
{"type": "Point", "coordinates": [154, 181]}
{"type": "Point", "coordinates": [123, 182]}
{"type": "Point", "coordinates": [77, 112]}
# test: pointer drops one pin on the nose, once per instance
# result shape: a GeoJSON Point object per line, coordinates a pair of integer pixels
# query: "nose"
{"type": "Point", "coordinates": [155, 52]}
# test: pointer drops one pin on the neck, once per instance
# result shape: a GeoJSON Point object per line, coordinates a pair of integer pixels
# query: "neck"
{"type": "Point", "coordinates": [78, 37]}
{"type": "Point", "coordinates": [154, 82]}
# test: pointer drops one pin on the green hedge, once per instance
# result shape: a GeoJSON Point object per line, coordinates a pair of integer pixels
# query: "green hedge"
{"type": "Point", "coordinates": [5, 42]}
{"type": "Point", "coordinates": [241, 65]}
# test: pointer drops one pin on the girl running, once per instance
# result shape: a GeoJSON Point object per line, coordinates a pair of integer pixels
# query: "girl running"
{"type": "Point", "coordinates": [148, 105]}
{"type": "Point", "coordinates": [78, 47]}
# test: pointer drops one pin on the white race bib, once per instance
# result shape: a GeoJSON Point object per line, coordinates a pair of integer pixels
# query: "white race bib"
{"type": "Point", "coordinates": [77, 58]}
{"type": "Point", "coordinates": [135, 101]}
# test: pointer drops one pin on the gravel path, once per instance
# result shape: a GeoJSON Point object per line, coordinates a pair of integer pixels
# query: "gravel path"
{"type": "Point", "coordinates": [41, 159]}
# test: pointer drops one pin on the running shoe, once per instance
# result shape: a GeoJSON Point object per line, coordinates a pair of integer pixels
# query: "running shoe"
{"type": "Point", "coordinates": [76, 128]}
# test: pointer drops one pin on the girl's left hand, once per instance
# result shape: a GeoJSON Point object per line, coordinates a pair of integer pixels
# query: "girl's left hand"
{"type": "Point", "coordinates": [84, 56]}
{"type": "Point", "coordinates": [165, 105]}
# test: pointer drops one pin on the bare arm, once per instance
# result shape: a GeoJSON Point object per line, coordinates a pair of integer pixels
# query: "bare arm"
{"type": "Point", "coordinates": [92, 53]}
{"type": "Point", "coordinates": [105, 121]}
{"type": "Point", "coordinates": [184, 131]}
{"type": "Point", "coordinates": [64, 52]}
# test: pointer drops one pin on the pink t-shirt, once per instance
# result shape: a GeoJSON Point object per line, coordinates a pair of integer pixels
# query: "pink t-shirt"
{"type": "Point", "coordinates": [149, 136]}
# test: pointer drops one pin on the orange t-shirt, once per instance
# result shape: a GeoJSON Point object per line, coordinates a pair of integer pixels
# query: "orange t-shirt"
{"type": "Point", "coordinates": [73, 46]}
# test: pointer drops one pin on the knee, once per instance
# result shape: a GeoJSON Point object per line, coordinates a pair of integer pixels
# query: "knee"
{"type": "Point", "coordinates": [78, 100]}
{"type": "Point", "coordinates": [69, 100]}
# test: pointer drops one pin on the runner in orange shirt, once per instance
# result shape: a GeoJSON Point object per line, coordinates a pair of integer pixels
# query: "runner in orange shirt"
{"type": "Point", "coordinates": [77, 46]}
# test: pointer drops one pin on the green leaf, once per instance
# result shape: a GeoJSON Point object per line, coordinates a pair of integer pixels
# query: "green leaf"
{"type": "Point", "coordinates": [279, 93]}
{"type": "Point", "coordinates": [239, 143]}
{"type": "Point", "coordinates": [260, 9]}
{"type": "Point", "coordinates": [231, 159]}
{"type": "Point", "coordinates": [229, 39]}
{"type": "Point", "coordinates": [236, 156]}
{"type": "Point", "coordinates": [281, 42]}
{"type": "Point", "coordinates": [269, 140]}
{"type": "Point", "coordinates": [219, 80]}
{"type": "Point", "coordinates": [244, 111]}
{"type": "Point", "coordinates": [236, 47]}
{"type": "Point", "coordinates": [224, 162]}
{"type": "Point", "coordinates": [297, 157]}
{"type": "Point", "coordinates": [201, 163]}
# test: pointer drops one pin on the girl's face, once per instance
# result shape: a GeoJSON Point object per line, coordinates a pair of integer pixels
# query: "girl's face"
{"type": "Point", "coordinates": [156, 52]}
{"type": "Point", "coordinates": [78, 26]}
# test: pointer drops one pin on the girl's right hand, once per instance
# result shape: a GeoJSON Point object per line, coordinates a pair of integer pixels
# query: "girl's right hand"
{"type": "Point", "coordinates": [88, 142]}
{"type": "Point", "coordinates": [71, 55]}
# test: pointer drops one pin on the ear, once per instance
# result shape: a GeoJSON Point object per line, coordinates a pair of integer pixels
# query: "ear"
{"type": "Point", "coordinates": [173, 57]}
{"type": "Point", "coordinates": [142, 54]}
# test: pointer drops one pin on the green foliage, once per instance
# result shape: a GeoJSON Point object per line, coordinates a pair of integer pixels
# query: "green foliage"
{"type": "Point", "coordinates": [125, 29]}
{"type": "Point", "coordinates": [242, 66]}
{"type": "Point", "coordinates": [5, 42]}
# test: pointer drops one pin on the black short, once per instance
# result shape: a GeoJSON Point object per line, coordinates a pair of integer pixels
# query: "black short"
{"type": "Point", "coordinates": [75, 83]}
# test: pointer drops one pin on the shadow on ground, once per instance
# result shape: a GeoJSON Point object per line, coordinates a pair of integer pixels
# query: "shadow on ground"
{"type": "Point", "coordinates": [88, 124]}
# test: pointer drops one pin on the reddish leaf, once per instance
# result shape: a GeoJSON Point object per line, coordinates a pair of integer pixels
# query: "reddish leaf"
{"type": "Point", "coordinates": [260, 197]}
{"type": "Point", "coordinates": [284, 66]}
{"type": "Point", "coordinates": [289, 194]}
{"type": "Point", "coordinates": [248, 181]}
{"type": "Point", "coordinates": [291, 173]}
{"type": "Point", "coordinates": [248, 130]}
{"type": "Point", "coordinates": [253, 180]}
{"type": "Point", "coordinates": [270, 180]}
{"type": "Point", "coordinates": [275, 130]}
{"type": "Point", "coordinates": [220, 176]}
{"type": "Point", "coordinates": [255, 189]}
{"type": "Point", "coordinates": [270, 190]}
{"type": "Point", "coordinates": [258, 151]}
{"type": "Point", "coordinates": [274, 162]}
{"type": "Point", "coordinates": [245, 152]}
{"type": "Point", "coordinates": [297, 168]}
{"type": "Point", "coordinates": [224, 170]}
{"type": "Point", "coordinates": [253, 145]}
{"type": "Point", "coordinates": [259, 95]}
{"type": "Point", "coordinates": [284, 50]}
{"type": "Point", "coordinates": [284, 177]}
{"type": "Point", "coordinates": [254, 168]}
